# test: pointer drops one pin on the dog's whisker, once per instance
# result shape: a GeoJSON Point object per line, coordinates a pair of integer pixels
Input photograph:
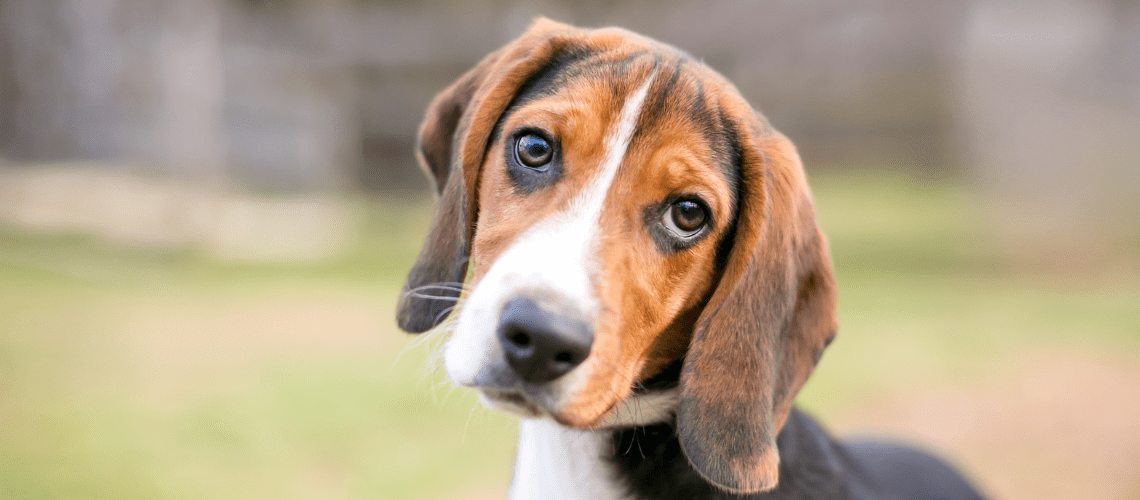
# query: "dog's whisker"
{"type": "Point", "coordinates": [426, 337]}
{"type": "Point", "coordinates": [409, 346]}
{"type": "Point", "coordinates": [442, 314]}
{"type": "Point", "coordinates": [467, 425]}
{"type": "Point", "coordinates": [638, 441]}
{"type": "Point", "coordinates": [420, 295]}
{"type": "Point", "coordinates": [457, 284]}
{"type": "Point", "coordinates": [448, 286]}
{"type": "Point", "coordinates": [433, 363]}
{"type": "Point", "coordinates": [433, 335]}
{"type": "Point", "coordinates": [438, 291]}
{"type": "Point", "coordinates": [430, 288]}
{"type": "Point", "coordinates": [630, 447]}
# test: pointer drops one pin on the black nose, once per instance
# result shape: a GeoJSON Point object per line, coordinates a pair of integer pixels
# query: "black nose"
{"type": "Point", "coordinates": [542, 346]}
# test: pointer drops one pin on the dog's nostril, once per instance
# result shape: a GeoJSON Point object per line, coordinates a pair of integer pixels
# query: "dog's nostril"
{"type": "Point", "coordinates": [519, 338]}
{"type": "Point", "coordinates": [564, 357]}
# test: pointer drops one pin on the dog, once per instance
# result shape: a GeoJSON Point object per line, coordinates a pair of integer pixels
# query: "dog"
{"type": "Point", "coordinates": [629, 256]}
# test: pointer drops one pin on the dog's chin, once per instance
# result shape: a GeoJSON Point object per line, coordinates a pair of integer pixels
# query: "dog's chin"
{"type": "Point", "coordinates": [519, 404]}
{"type": "Point", "coordinates": [512, 402]}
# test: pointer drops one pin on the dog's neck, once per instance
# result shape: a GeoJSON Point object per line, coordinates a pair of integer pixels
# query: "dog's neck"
{"type": "Point", "coordinates": [637, 455]}
{"type": "Point", "coordinates": [646, 462]}
{"type": "Point", "coordinates": [556, 463]}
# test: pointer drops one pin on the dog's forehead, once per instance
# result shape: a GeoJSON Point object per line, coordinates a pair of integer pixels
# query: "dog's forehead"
{"type": "Point", "coordinates": [682, 108]}
{"type": "Point", "coordinates": [607, 73]}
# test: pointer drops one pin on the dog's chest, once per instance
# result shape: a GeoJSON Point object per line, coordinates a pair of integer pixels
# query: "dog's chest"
{"type": "Point", "coordinates": [555, 463]}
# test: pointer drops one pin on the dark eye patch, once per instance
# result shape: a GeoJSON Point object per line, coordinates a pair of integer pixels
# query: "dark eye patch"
{"type": "Point", "coordinates": [678, 223]}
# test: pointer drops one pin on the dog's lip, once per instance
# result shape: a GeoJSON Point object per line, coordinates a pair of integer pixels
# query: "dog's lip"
{"type": "Point", "coordinates": [515, 399]}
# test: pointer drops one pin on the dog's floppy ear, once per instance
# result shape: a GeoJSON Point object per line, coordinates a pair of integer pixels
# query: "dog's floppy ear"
{"type": "Point", "coordinates": [451, 147]}
{"type": "Point", "coordinates": [765, 325]}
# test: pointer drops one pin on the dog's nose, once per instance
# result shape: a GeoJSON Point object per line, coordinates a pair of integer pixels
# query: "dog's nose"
{"type": "Point", "coordinates": [542, 346]}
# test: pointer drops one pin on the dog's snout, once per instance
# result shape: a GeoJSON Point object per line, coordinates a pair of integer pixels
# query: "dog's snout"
{"type": "Point", "coordinates": [541, 346]}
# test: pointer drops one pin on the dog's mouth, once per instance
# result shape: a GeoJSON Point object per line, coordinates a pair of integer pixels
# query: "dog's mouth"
{"type": "Point", "coordinates": [512, 402]}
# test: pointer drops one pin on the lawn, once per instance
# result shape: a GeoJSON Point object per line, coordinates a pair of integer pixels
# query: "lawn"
{"type": "Point", "coordinates": [134, 373]}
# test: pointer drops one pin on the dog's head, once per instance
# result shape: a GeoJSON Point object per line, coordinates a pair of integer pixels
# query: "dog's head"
{"type": "Point", "coordinates": [622, 209]}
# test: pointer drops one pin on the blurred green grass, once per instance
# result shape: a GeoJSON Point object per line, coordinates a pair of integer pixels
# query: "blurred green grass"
{"type": "Point", "coordinates": [134, 373]}
{"type": "Point", "coordinates": [928, 295]}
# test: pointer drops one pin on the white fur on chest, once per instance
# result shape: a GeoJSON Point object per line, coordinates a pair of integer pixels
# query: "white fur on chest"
{"type": "Point", "coordinates": [556, 463]}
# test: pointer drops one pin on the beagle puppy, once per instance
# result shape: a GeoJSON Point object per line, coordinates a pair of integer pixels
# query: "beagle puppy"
{"type": "Point", "coordinates": [629, 257]}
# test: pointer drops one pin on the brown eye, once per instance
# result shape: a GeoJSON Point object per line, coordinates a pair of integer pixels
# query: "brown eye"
{"type": "Point", "coordinates": [533, 151]}
{"type": "Point", "coordinates": [685, 218]}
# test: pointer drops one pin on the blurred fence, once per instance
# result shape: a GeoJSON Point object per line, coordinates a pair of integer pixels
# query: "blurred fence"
{"type": "Point", "coordinates": [1035, 102]}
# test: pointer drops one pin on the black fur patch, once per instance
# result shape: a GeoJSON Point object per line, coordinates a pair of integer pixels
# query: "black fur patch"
{"type": "Point", "coordinates": [649, 462]}
{"type": "Point", "coordinates": [442, 261]}
{"type": "Point", "coordinates": [732, 166]}
{"type": "Point", "coordinates": [668, 378]}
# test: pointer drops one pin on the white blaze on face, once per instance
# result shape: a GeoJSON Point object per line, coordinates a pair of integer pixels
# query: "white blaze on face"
{"type": "Point", "coordinates": [551, 262]}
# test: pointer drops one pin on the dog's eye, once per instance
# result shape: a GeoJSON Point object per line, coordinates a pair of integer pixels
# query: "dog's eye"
{"type": "Point", "coordinates": [533, 151]}
{"type": "Point", "coordinates": [533, 159]}
{"type": "Point", "coordinates": [685, 218]}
